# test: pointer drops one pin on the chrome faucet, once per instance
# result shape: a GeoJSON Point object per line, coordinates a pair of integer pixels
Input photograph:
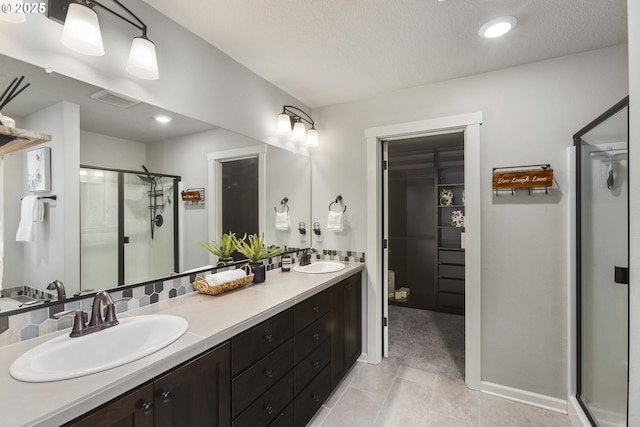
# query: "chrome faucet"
{"type": "Point", "coordinates": [59, 287]}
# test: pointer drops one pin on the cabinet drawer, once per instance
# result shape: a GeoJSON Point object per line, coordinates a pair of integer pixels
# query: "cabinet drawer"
{"type": "Point", "coordinates": [311, 309]}
{"type": "Point", "coordinates": [251, 345]}
{"type": "Point", "coordinates": [451, 257]}
{"type": "Point", "coordinates": [268, 406]}
{"type": "Point", "coordinates": [451, 285]}
{"type": "Point", "coordinates": [311, 398]}
{"type": "Point", "coordinates": [260, 376]}
{"type": "Point", "coordinates": [311, 336]}
{"type": "Point", "coordinates": [451, 271]}
{"type": "Point", "coordinates": [311, 365]}
{"type": "Point", "coordinates": [451, 300]}
{"type": "Point", "coordinates": [285, 418]}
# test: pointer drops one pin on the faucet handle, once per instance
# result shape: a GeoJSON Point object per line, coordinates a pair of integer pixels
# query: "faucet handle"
{"type": "Point", "coordinates": [110, 312]}
{"type": "Point", "coordinates": [79, 327]}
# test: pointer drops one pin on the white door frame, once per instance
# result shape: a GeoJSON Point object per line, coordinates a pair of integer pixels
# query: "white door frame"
{"type": "Point", "coordinates": [470, 125]}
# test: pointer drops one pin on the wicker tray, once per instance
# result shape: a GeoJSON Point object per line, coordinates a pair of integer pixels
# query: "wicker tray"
{"type": "Point", "coordinates": [202, 286]}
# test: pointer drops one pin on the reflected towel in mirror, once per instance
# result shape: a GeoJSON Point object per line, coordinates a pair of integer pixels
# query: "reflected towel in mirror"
{"type": "Point", "coordinates": [282, 220]}
{"type": "Point", "coordinates": [32, 211]}
{"type": "Point", "coordinates": [335, 222]}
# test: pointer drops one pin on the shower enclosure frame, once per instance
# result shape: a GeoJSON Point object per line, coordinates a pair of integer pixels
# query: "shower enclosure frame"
{"type": "Point", "coordinates": [121, 218]}
{"type": "Point", "coordinates": [577, 138]}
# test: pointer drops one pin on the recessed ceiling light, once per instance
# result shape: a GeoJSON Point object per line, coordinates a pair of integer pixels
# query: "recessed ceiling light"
{"type": "Point", "coordinates": [497, 27]}
{"type": "Point", "coordinates": [161, 118]}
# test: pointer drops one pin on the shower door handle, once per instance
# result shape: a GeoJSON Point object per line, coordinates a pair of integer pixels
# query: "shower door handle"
{"type": "Point", "coordinates": [621, 275]}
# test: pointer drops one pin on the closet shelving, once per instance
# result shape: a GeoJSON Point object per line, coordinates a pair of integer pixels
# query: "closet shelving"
{"type": "Point", "coordinates": [450, 259]}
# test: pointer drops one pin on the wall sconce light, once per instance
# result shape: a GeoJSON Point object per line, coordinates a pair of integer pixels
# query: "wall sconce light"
{"type": "Point", "coordinates": [82, 33]}
{"type": "Point", "coordinates": [290, 122]}
{"type": "Point", "coordinates": [302, 228]}
{"type": "Point", "coordinates": [316, 228]}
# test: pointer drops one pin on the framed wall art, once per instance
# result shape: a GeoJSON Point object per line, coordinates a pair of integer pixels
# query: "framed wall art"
{"type": "Point", "coordinates": [39, 170]}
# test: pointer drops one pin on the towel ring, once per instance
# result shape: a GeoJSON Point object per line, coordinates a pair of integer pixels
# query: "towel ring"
{"type": "Point", "coordinates": [284, 204]}
{"type": "Point", "coordinates": [338, 200]}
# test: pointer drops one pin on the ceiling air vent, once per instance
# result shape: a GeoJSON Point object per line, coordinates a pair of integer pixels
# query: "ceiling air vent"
{"type": "Point", "coordinates": [115, 99]}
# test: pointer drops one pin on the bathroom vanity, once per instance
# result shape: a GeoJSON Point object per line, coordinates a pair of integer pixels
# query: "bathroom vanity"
{"type": "Point", "coordinates": [268, 354]}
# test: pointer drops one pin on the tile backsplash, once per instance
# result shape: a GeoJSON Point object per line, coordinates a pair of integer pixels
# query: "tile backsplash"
{"type": "Point", "coordinates": [31, 324]}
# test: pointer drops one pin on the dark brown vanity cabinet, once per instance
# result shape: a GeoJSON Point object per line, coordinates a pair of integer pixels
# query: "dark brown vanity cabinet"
{"type": "Point", "coordinates": [277, 373]}
{"type": "Point", "coordinates": [194, 394]}
{"type": "Point", "coordinates": [346, 334]}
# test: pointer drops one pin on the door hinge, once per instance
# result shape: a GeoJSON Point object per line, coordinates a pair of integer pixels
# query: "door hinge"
{"type": "Point", "coordinates": [384, 165]}
{"type": "Point", "coordinates": [384, 321]}
{"type": "Point", "coordinates": [384, 244]}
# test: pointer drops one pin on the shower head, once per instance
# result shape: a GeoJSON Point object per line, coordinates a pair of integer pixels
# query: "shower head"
{"type": "Point", "coordinates": [610, 155]}
{"type": "Point", "coordinates": [148, 178]}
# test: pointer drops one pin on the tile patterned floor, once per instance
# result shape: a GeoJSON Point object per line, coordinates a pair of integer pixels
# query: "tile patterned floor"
{"type": "Point", "coordinates": [390, 395]}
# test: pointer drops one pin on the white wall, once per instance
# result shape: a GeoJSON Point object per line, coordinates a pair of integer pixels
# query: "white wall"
{"type": "Point", "coordinates": [111, 153]}
{"type": "Point", "coordinates": [530, 114]}
{"type": "Point", "coordinates": [633, 10]}
{"type": "Point", "coordinates": [55, 253]}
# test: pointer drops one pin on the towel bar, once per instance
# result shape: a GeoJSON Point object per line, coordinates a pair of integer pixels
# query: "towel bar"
{"type": "Point", "coordinates": [338, 200]}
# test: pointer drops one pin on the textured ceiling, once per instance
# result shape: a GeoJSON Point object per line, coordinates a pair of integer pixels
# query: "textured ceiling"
{"type": "Point", "coordinates": [325, 52]}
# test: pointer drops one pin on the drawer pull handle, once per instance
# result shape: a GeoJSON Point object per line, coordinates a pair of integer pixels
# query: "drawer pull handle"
{"type": "Point", "coordinates": [316, 364]}
{"type": "Point", "coordinates": [316, 336]}
{"type": "Point", "coordinates": [269, 338]}
{"type": "Point", "coordinates": [268, 409]}
{"type": "Point", "coordinates": [316, 309]}
{"type": "Point", "coordinates": [165, 396]}
{"type": "Point", "coordinates": [315, 397]}
{"type": "Point", "coordinates": [268, 373]}
{"type": "Point", "coordinates": [147, 408]}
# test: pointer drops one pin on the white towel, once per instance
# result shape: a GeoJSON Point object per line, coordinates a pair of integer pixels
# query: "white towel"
{"type": "Point", "coordinates": [32, 211]}
{"type": "Point", "coordinates": [335, 222]}
{"type": "Point", "coordinates": [225, 276]}
{"type": "Point", "coordinates": [282, 220]}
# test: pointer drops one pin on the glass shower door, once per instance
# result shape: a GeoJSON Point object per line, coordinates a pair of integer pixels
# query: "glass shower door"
{"type": "Point", "coordinates": [603, 255]}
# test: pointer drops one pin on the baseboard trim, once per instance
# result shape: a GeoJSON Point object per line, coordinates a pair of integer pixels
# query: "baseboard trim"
{"type": "Point", "coordinates": [576, 414]}
{"type": "Point", "coordinates": [363, 357]}
{"type": "Point", "coordinates": [523, 396]}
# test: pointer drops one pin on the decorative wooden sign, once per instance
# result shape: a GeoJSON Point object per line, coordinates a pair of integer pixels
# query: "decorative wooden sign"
{"type": "Point", "coordinates": [523, 179]}
{"type": "Point", "coordinates": [191, 196]}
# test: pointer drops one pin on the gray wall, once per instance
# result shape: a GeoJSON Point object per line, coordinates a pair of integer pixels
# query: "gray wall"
{"type": "Point", "coordinates": [530, 114]}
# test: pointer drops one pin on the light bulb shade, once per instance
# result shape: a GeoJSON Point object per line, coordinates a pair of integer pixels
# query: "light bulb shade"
{"type": "Point", "coordinates": [142, 59]}
{"type": "Point", "coordinates": [299, 131]}
{"type": "Point", "coordinates": [81, 31]}
{"type": "Point", "coordinates": [312, 137]}
{"type": "Point", "coordinates": [497, 27]}
{"type": "Point", "coordinates": [12, 15]}
{"type": "Point", "coordinates": [283, 127]}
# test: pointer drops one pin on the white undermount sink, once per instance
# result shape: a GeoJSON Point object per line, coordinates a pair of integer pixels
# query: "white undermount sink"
{"type": "Point", "coordinates": [320, 267]}
{"type": "Point", "coordinates": [64, 357]}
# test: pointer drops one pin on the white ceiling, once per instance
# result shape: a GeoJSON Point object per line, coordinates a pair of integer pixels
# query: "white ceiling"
{"type": "Point", "coordinates": [325, 52]}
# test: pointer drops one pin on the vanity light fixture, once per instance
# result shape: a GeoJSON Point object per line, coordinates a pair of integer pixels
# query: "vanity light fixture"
{"type": "Point", "coordinates": [82, 33]}
{"type": "Point", "coordinates": [291, 122]}
{"type": "Point", "coordinates": [497, 27]}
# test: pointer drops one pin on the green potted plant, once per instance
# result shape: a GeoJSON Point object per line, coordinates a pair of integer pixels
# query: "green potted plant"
{"type": "Point", "coordinates": [255, 250]}
{"type": "Point", "coordinates": [224, 249]}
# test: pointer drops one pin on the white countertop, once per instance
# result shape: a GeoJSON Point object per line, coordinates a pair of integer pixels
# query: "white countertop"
{"type": "Point", "coordinates": [212, 320]}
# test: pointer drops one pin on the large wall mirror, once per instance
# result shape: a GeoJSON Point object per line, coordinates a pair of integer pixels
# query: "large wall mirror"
{"type": "Point", "coordinates": [99, 136]}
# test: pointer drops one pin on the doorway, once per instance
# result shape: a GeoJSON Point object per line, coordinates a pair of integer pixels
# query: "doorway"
{"type": "Point", "coordinates": [377, 336]}
{"type": "Point", "coordinates": [424, 264]}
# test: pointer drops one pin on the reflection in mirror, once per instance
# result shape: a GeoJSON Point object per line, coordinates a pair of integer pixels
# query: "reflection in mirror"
{"type": "Point", "coordinates": [128, 227]}
{"type": "Point", "coordinates": [102, 136]}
